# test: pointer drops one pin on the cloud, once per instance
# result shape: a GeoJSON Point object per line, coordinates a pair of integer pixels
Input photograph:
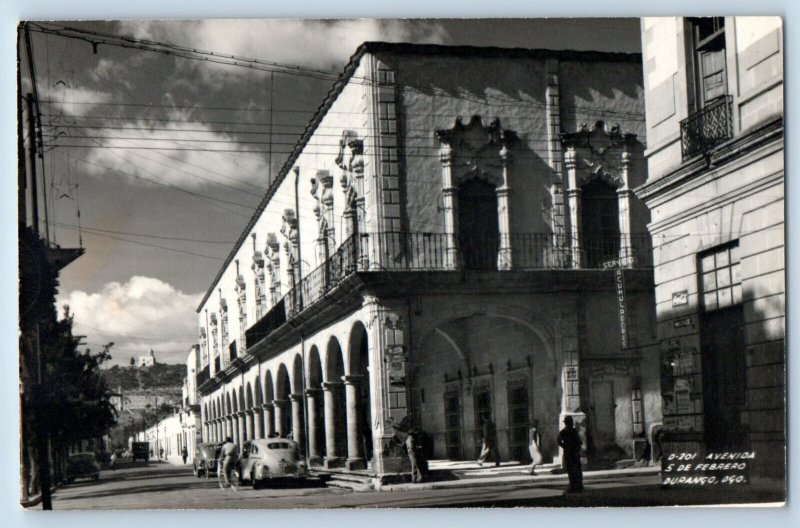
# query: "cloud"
{"type": "Point", "coordinates": [137, 315]}
{"type": "Point", "coordinates": [188, 161]}
{"type": "Point", "coordinates": [312, 43]}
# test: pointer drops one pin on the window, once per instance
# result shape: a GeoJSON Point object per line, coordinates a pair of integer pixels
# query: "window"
{"type": "Point", "coordinates": [720, 278]}
{"type": "Point", "coordinates": [708, 47]}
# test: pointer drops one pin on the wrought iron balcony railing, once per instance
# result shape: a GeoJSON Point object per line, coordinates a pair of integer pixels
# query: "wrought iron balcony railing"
{"type": "Point", "coordinates": [441, 252]}
{"type": "Point", "coordinates": [704, 130]}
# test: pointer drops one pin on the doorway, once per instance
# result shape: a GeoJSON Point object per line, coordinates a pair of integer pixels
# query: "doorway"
{"type": "Point", "coordinates": [599, 223]}
{"type": "Point", "coordinates": [518, 423]}
{"type": "Point", "coordinates": [478, 229]}
{"type": "Point", "coordinates": [724, 378]}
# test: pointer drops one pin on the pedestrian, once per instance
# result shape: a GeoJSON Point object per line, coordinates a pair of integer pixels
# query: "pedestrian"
{"type": "Point", "coordinates": [535, 446]}
{"type": "Point", "coordinates": [184, 455]}
{"type": "Point", "coordinates": [113, 459]}
{"type": "Point", "coordinates": [161, 453]}
{"type": "Point", "coordinates": [489, 447]}
{"type": "Point", "coordinates": [570, 441]}
{"type": "Point", "coordinates": [414, 449]}
{"type": "Point", "coordinates": [228, 455]}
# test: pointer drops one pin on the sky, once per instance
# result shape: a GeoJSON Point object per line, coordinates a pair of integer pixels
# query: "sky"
{"type": "Point", "coordinates": [165, 157]}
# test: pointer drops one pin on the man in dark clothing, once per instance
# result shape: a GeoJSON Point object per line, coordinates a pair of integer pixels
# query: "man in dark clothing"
{"type": "Point", "coordinates": [489, 442]}
{"type": "Point", "coordinates": [184, 455]}
{"type": "Point", "coordinates": [570, 441]}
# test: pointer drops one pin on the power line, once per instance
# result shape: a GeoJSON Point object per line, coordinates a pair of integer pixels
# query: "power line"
{"type": "Point", "coordinates": [161, 237]}
{"type": "Point", "coordinates": [145, 244]}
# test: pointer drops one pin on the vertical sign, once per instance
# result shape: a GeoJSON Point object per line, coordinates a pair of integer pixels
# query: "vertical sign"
{"type": "Point", "coordinates": [623, 320]}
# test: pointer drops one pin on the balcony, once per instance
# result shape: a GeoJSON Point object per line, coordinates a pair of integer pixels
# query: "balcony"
{"type": "Point", "coordinates": [419, 252]}
{"type": "Point", "coordinates": [702, 131]}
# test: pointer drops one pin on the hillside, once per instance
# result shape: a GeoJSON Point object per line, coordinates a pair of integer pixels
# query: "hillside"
{"type": "Point", "coordinates": [159, 376]}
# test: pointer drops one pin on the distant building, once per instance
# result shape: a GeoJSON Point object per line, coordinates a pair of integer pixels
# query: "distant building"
{"type": "Point", "coordinates": [148, 360]}
{"type": "Point", "coordinates": [715, 150]}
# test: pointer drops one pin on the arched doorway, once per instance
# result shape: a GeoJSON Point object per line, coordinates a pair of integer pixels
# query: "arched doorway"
{"type": "Point", "coordinates": [297, 407]}
{"type": "Point", "coordinates": [599, 223]}
{"type": "Point", "coordinates": [269, 398]}
{"type": "Point", "coordinates": [258, 415]}
{"type": "Point", "coordinates": [478, 228]}
{"type": "Point", "coordinates": [359, 366]}
{"type": "Point", "coordinates": [316, 408]}
{"type": "Point", "coordinates": [283, 391]}
{"type": "Point", "coordinates": [335, 405]}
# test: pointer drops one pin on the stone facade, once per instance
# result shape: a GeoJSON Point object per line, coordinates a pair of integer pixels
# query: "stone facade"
{"type": "Point", "coordinates": [453, 236]}
{"type": "Point", "coordinates": [716, 193]}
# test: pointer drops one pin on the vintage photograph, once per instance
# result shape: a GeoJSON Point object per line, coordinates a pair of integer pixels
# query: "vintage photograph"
{"type": "Point", "coordinates": [401, 263]}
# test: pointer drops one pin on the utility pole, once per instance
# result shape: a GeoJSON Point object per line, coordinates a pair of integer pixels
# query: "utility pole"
{"type": "Point", "coordinates": [32, 163]}
{"type": "Point", "coordinates": [42, 436]}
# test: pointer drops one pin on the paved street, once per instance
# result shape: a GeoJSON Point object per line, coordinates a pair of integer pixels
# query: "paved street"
{"type": "Point", "coordinates": [163, 486]}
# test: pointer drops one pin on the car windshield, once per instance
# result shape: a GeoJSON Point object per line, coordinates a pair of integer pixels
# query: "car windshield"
{"type": "Point", "coordinates": [279, 445]}
{"type": "Point", "coordinates": [209, 450]}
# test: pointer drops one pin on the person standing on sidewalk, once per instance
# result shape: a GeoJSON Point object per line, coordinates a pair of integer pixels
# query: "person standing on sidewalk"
{"type": "Point", "coordinates": [535, 446]}
{"type": "Point", "coordinates": [489, 442]}
{"type": "Point", "coordinates": [570, 441]}
{"type": "Point", "coordinates": [184, 455]}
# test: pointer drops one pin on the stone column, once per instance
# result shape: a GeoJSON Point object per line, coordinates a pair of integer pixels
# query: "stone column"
{"type": "Point", "coordinates": [269, 422]}
{"type": "Point", "coordinates": [298, 427]}
{"type": "Point", "coordinates": [355, 449]}
{"type": "Point", "coordinates": [574, 201]}
{"type": "Point", "coordinates": [332, 458]}
{"type": "Point", "coordinates": [504, 255]}
{"type": "Point", "coordinates": [326, 179]}
{"type": "Point", "coordinates": [231, 430]}
{"type": "Point", "coordinates": [450, 206]}
{"type": "Point", "coordinates": [279, 408]}
{"type": "Point", "coordinates": [314, 456]}
{"type": "Point", "coordinates": [258, 427]}
{"type": "Point", "coordinates": [624, 196]}
{"type": "Point", "coordinates": [240, 433]}
{"type": "Point", "coordinates": [248, 424]}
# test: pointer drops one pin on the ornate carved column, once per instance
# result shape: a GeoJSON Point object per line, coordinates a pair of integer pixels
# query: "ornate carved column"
{"type": "Point", "coordinates": [326, 179]}
{"type": "Point", "coordinates": [574, 201]}
{"type": "Point", "coordinates": [279, 407]}
{"type": "Point", "coordinates": [241, 304]}
{"type": "Point", "coordinates": [274, 268]}
{"type": "Point", "coordinates": [624, 196]}
{"type": "Point", "coordinates": [258, 284]}
{"type": "Point", "coordinates": [332, 458]}
{"type": "Point", "coordinates": [225, 358]}
{"type": "Point", "coordinates": [314, 455]}
{"type": "Point", "coordinates": [355, 449]}
{"type": "Point", "coordinates": [248, 424]}
{"type": "Point", "coordinates": [450, 207]}
{"type": "Point", "coordinates": [298, 427]}
{"type": "Point", "coordinates": [215, 351]}
{"type": "Point", "coordinates": [504, 255]}
{"type": "Point", "coordinates": [269, 420]}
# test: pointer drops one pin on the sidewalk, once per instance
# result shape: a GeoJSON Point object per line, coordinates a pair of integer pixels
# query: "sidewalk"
{"type": "Point", "coordinates": [465, 474]}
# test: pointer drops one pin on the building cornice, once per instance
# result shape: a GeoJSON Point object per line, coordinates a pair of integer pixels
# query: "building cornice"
{"type": "Point", "coordinates": [725, 153]}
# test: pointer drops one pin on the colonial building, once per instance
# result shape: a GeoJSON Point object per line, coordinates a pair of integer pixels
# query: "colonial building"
{"type": "Point", "coordinates": [714, 90]}
{"type": "Point", "coordinates": [149, 360]}
{"type": "Point", "coordinates": [182, 428]}
{"type": "Point", "coordinates": [454, 237]}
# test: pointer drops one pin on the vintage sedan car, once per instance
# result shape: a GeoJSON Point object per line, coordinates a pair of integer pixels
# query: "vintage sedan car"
{"type": "Point", "coordinates": [271, 459]}
{"type": "Point", "coordinates": [205, 459]}
{"type": "Point", "coordinates": [82, 465]}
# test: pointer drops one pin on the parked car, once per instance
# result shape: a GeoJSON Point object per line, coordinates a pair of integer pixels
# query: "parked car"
{"type": "Point", "coordinates": [205, 459]}
{"type": "Point", "coordinates": [82, 465]}
{"type": "Point", "coordinates": [271, 459]}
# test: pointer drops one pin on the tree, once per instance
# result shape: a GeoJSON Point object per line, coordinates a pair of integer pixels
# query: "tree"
{"type": "Point", "coordinates": [133, 362]}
